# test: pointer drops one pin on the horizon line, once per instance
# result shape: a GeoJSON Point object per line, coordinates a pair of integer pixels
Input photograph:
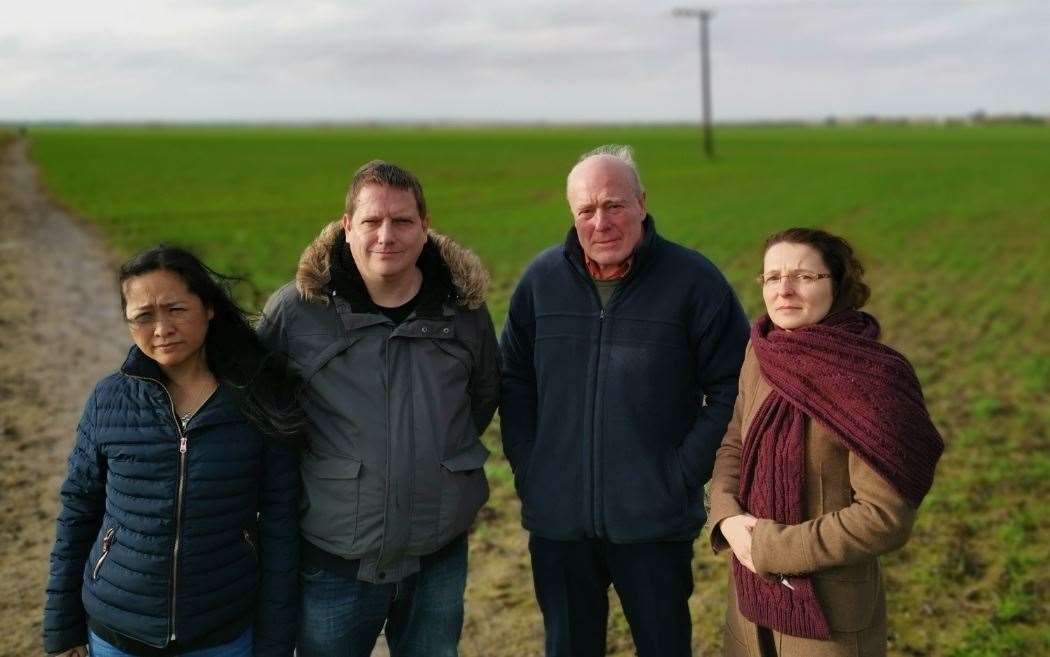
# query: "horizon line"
{"type": "Point", "coordinates": [971, 117]}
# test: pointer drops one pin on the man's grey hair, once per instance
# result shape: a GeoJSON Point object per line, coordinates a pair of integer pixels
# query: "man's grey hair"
{"type": "Point", "coordinates": [621, 152]}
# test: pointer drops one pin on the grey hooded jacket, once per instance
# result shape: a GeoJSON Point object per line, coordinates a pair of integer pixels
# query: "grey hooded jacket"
{"type": "Point", "coordinates": [393, 470]}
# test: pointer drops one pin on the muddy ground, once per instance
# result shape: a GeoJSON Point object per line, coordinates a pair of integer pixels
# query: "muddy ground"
{"type": "Point", "coordinates": [60, 330]}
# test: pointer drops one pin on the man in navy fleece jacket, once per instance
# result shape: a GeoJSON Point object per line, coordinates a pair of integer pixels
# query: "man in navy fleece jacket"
{"type": "Point", "coordinates": [621, 355]}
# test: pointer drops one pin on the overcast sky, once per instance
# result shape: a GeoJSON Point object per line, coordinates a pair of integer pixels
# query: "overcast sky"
{"type": "Point", "coordinates": [517, 60]}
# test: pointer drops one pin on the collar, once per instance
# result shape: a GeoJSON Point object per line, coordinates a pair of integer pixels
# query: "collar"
{"type": "Point", "coordinates": [618, 274]}
{"type": "Point", "coordinates": [574, 252]}
{"type": "Point", "coordinates": [437, 288]}
{"type": "Point", "coordinates": [140, 365]}
{"type": "Point", "coordinates": [220, 408]}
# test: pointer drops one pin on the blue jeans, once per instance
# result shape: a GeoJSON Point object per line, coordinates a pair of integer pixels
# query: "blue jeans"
{"type": "Point", "coordinates": [239, 647]}
{"type": "Point", "coordinates": [423, 613]}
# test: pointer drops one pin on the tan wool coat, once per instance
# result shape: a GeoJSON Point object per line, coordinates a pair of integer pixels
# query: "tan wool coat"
{"type": "Point", "coordinates": [853, 514]}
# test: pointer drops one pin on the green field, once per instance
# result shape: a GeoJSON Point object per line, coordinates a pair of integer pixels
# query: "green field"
{"type": "Point", "coordinates": [953, 223]}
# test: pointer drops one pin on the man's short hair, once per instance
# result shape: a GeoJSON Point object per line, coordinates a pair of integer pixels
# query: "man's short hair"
{"type": "Point", "coordinates": [378, 172]}
{"type": "Point", "coordinates": [621, 152]}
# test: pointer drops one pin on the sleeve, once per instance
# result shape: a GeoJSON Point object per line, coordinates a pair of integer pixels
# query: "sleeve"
{"type": "Point", "coordinates": [725, 480]}
{"type": "Point", "coordinates": [878, 521]}
{"type": "Point", "coordinates": [82, 498]}
{"type": "Point", "coordinates": [272, 326]}
{"type": "Point", "coordinates": [277, 611]}
{"type": "Point", "coordinates": [518, 402]}
{"type": "Point", "coordinates": [485, 379]}
{"type": "Point", "coordinates": [719, 354]}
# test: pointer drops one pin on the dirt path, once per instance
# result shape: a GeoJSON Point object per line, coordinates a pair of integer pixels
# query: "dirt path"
{"type": "Point", "coordinates": [60, 330]}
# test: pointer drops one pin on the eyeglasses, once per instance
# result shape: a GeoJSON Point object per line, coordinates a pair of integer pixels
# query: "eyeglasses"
{"type": "Point", "coordinates": [146, 321]}
{"type": "Point", "coordinates": [800, 278]}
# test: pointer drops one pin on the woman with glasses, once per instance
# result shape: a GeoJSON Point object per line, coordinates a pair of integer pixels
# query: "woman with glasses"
{"type": "Point", "coordinates": [178, 531]}
{"type": "Point", "coordinates": [829, 453]}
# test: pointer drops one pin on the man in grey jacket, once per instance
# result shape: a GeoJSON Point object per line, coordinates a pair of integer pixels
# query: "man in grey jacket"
{"type": "Point", "coordinates": [386, 324]}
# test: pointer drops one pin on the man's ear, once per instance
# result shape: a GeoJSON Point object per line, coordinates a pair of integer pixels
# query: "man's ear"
{"type": "Point", "coordinates": [346, 224]}
{"type": "Point", "coordinates": [641, 202]}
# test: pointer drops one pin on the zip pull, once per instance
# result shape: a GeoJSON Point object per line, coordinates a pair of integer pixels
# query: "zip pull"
{"type": "Point", "coordinates": [107, 543]}
{"type": "Point", "coordinates": [182, 445]}
{"type": "Point", "coordinates": [601, 315]}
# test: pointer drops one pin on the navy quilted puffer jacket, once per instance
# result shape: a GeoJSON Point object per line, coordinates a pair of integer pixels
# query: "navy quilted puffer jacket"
{"type": "Point", "coordinates": [166, 534]}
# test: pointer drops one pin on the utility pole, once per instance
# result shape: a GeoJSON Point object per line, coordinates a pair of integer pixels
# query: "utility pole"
{"type": "Point", "coordinates": [705, 73]}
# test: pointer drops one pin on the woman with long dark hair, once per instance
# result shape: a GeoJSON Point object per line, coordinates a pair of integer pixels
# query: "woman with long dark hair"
{"type": "Point", "coordinates": [178, 530]}
{"type": "Point", "coordinates": [822, 469]}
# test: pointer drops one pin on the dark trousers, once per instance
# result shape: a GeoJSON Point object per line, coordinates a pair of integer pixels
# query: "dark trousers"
{"type": "Point", "coordinates": [654, 582]}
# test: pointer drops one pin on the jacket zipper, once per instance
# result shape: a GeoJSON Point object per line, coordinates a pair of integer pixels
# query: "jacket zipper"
{"type": "Point", "coordinates": [183, 449]}
{"type": "Point", "coordinates": [596, 501]}
{"type": "Point", "coordinates": [386, 492]}
{"type": "Point", "coordinates": [596, 418]}
{"type": "Point", "coordinates": [107, 543]}
{"type": "Point", "coordinates": [596, 493]}
{"type": "Point", "coordinates": [250, 542]}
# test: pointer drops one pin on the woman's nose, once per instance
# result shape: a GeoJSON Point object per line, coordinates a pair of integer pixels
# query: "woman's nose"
{"type": "Point", "coordinates": [163, 325]}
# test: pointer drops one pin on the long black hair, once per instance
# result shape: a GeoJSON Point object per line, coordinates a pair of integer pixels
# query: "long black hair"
{"type": "Point", "coordinates": [265, 388]}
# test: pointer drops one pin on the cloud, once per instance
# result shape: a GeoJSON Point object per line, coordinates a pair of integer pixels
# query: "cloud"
{"type": "Point", "coordinates": [415, 60]}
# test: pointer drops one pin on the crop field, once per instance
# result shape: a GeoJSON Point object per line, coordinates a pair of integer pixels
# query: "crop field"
{"type": "Point", "coordinates": [953, 224]}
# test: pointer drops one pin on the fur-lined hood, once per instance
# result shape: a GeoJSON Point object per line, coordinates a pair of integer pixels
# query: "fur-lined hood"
{"type": "Point", "coordinates": [468, 274]}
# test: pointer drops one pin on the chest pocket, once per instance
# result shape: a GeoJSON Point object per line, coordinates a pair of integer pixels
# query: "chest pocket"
{"type": "Point", "coordinates": [458, 353]}
{"type": "Point", "coordinates": [649, 333]}
{"type": "Point", "coordinates": [318, 350]}
{"type": "Point", "coordinates": [565, 326]}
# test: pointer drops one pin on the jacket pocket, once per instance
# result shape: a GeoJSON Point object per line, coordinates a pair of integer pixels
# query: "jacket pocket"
{"type": "Point", "coordinates": [472, 458]}
{"type": "Point", "coordinates": [679, 475]}
{"type": "Point", "coordinates": [733, 646]}
{"type": "Point", "coordinates": [107, 545]}
{"type": "Point", "coordinates": [317, 350]}
{"type": "Point", "coordinates": [859, 572]}
{"type": "Point", "coordinates": [331, 500]}
{"type": "Point", "coordinates": [736, 627]}
{"type": "Point", "coordinates": [521, 472]}
{"type": "Point", "coordinates": [645, 494]}
{"type": "Point", "coordinates": [459, 353]}
{"type": "Point", "coordinates": [849, 606]}
{"type": "Point", "coordinates": [464, 490]}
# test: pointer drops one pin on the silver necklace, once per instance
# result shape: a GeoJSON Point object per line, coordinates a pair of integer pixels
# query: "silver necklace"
{"type": "Point", "coordinates": [185, 417]}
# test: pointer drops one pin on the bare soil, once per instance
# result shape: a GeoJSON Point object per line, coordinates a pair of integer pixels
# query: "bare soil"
{"type": "Point", "coordinates": [60, 331]}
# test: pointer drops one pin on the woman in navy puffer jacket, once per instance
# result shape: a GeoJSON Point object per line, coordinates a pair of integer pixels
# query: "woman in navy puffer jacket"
{"type": "Point", "coordinates": [178, 531]}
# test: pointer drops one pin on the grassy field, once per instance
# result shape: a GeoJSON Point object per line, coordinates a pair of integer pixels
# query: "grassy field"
{"type": "Point", "coordinates": [954, 224]}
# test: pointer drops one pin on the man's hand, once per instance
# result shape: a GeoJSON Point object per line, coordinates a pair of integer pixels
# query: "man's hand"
{"type": "Point", "coordinates": [737, 531]}
{"type": "Point", "coordinates": [79, 651]}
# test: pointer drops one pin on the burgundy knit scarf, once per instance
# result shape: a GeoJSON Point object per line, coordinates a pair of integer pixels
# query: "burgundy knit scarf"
{"type": "Point", "coordinates": [868, 396]}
